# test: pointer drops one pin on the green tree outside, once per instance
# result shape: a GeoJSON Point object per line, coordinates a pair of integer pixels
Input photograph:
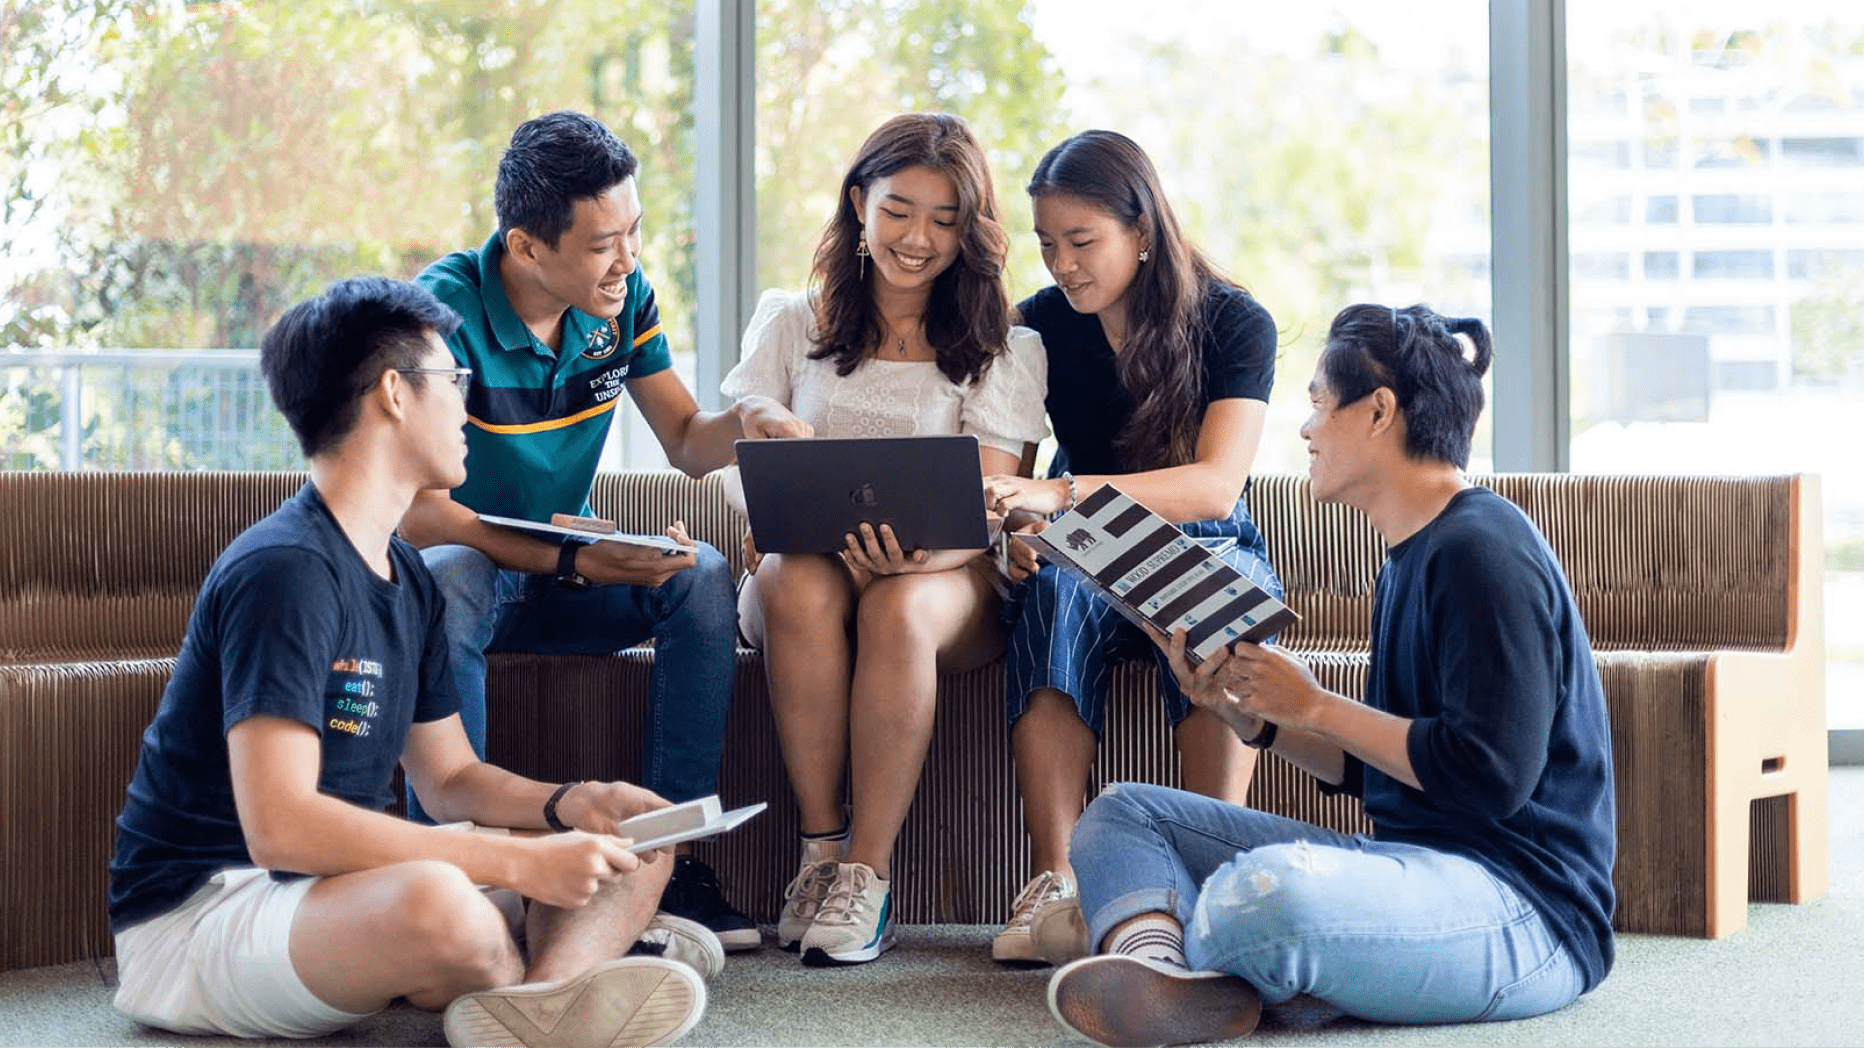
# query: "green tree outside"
{"type": "Point", "coordinates": [830, 71]}
{"type": "Point", "coordinates": [197, 167]}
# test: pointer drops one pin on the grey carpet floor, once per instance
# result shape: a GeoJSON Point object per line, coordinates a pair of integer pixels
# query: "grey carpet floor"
{"type": "Point", "coordinates": [1794, 977]}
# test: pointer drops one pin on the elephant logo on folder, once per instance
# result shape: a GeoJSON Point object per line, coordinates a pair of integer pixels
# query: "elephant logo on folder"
{"type": "Point", "coordinates": [1079, 539]}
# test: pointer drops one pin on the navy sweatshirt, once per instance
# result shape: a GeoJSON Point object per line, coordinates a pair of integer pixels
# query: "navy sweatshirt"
{"type": "Point", "coordinates": [1476, 639]}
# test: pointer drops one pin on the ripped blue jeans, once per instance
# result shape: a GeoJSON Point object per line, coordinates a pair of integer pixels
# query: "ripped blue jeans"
{"type": "Point", "coordinates": [1391, 933]}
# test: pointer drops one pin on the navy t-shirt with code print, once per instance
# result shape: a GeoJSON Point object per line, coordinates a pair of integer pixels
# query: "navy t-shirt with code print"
{"type": "Point", "coordinates": [291, 622]}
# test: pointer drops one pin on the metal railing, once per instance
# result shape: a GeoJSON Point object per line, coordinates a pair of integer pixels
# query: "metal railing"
{"type": "Point", "coordinates": [180, 409]}
{"type": "Point", "coordinates": [137, 409]}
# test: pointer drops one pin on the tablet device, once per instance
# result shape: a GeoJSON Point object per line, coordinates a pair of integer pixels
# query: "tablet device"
{"type": "Point", "coordinates": [665, 827]}
{"type": "Point", "coordinates": [557, 533]}
{"type": "Point", "coordinates": [805, 494]}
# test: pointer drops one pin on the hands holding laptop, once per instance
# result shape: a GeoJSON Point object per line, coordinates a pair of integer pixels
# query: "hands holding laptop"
{"type": "Point", "coordinates": [875, 554]}
{"type": "Point", "coordinates": [879, 553]}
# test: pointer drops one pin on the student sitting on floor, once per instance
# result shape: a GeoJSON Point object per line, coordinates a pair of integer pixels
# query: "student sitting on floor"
{"type": "Point", "coordinates": [1482, 753]}
{"type": "Point", "coordinates": [259, 888]}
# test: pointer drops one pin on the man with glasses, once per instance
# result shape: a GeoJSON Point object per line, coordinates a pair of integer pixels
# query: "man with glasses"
{"type": "Point", "coordinates": [462, 377]}
{"type": "Point", "coordinates": [559, 322]}
{"type": "Point", "coordinates": [259, 886]}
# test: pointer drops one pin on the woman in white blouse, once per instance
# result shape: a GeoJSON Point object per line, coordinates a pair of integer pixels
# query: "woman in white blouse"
{"type": "Point", "coordinates": [906, 330]}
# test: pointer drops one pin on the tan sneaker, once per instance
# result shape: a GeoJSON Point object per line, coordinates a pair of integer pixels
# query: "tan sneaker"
{"type": "Point", "coordinates": [1058, 931]}
{"type": "Point", "coordinates": [802, 900]}
{"type": "Point", "coordinates": [1013, 944]}
{"type": "Point", "coordinates": [855, 924]}
{"type": "Point", "coordinates": [633, 1001]}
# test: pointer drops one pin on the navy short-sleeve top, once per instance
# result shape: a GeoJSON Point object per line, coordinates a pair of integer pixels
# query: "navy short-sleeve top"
{"type": "Point", "coordinates": [291, 622]}
{"type": "Point", "coordinates": [1087, 405]}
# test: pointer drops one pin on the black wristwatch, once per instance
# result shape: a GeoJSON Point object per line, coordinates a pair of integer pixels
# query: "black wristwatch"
{"type": "Point", "coordinates": [550, 807]}
{"type": "Point", "coordinates": [1264, 737]}
{"type": "Point", "coordinates": [566, 565]}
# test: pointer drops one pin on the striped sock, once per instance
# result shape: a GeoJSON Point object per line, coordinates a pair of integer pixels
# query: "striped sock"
{"type": "Point", "coordinates": [1155, 938]}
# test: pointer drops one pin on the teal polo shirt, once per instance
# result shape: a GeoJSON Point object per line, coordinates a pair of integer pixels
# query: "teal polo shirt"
{"type": "Point", "coordinates": [536, 420]}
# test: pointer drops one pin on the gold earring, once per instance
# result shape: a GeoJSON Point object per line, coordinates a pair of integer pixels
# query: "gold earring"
{"type": "Point", "coordinates": [860, 252]}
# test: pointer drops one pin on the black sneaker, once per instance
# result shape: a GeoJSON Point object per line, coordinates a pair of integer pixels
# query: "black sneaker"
{"type": "Point", "coordinates": [693, 893]}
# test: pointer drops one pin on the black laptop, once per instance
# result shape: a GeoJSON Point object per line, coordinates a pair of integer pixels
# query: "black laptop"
{"type": "Point", "coordinates": [805, 494]}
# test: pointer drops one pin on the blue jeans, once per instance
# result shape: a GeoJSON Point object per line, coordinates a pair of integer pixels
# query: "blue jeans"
{"type": "Point", "coordinates": [1391, 933]}
{"type": "Point", "coordinates": [692, 617]}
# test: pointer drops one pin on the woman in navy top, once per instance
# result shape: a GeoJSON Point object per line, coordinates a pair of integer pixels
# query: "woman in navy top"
{"type": "Point", "coordinates": [1159, 372]}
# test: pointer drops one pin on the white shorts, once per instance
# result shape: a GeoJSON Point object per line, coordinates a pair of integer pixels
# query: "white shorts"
{"type": "Point", "coordinates": [220, 963]}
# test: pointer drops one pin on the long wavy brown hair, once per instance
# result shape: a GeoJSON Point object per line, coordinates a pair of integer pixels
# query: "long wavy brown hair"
{"type": "Point", "coordinates": [967, 319]}
{"type": "Point", "coordinates": [1161, 364]}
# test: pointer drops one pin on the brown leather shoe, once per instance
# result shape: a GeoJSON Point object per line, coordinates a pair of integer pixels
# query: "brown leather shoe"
{"type": "Point", "coordinates": [1135, 1002]}
{"type": "Point", "coordinates": [633, 1001]}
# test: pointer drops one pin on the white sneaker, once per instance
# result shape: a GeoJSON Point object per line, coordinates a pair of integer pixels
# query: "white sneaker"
{"type": "Point", "coordinates": [633, 1001]}
{"type": "Point", "coordinates": [803, 897]}
{"type": "Point", "coordinates": [686, 941]}
{"type": "Point", "coordinates": [855, 923]}
{"type": "Point", "coordinates": [1013, 944]}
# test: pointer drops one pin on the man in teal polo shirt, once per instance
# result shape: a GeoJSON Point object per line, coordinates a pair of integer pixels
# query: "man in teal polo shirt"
{"type": "Point", "coordinates": [559, 322]}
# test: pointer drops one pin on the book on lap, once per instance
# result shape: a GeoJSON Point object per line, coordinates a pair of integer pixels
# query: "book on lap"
{"type": "Point", "coordinates": [1156, 575]}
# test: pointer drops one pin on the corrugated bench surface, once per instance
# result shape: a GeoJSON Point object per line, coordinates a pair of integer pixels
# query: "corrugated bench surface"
{"type": "Point", "coordinates": [1702, 595]}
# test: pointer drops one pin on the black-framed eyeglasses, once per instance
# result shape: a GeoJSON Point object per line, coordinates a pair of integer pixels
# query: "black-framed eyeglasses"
{"type": "Point", "coordinates": [462, 377]}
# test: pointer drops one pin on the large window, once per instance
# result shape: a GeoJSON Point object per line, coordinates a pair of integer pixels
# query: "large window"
{"type": "Point", "coordinates": [1324, 156]}
{"type": "Point", "coordinates": [1747, 355]}
{"type": "Point", "coordinates": [176, 174]}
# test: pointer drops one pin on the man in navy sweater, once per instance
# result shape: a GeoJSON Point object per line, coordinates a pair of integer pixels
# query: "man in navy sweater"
{"type": "Point", "coordinates": [1482, 753]}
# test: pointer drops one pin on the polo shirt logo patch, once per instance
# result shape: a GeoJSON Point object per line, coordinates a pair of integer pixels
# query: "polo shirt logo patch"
{"type": "Point", "coordinates": [603, 341]}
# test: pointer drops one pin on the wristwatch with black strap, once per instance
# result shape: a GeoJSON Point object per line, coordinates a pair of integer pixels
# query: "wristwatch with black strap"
{"type": "Point", "coordinates": [1264, 738]}
{"type": "Point", "coordinates": [567, 576]}
{"type": "Point", "coordinates": [550, 807]}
